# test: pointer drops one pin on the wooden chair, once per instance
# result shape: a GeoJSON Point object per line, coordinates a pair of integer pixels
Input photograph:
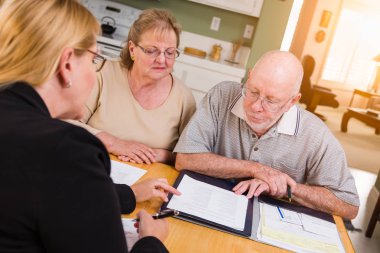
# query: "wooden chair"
{"type": "Point", "coordinates": [314, 95]}
{"type": "Point", "coordinates": [374, 219]}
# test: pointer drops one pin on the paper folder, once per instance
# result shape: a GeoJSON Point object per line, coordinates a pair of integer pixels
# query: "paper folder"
{"type": "Point", "coordinates": [252, 219]}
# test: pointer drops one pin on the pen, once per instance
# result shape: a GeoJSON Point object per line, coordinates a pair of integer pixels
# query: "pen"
{"type": "Point", "coordinates": [289, 193]}
{"type": "Point", "coordinates": [279, 210]}
{"type": "Point", "coordinates": [163, 214]}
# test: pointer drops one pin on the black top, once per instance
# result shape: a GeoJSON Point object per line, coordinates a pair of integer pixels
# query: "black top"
{"type": "Point", "coordinates": [55, 191]}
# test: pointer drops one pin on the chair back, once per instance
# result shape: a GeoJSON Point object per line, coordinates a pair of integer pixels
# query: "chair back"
{"type": "Point", "coordinates": [308, 64]}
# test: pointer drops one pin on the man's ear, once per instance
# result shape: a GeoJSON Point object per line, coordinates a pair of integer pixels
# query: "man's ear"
{"type": "Point", "coordinates": [250, 74]}
{"type": "Point", "coordinates": [65, 66]}
{"type": "Point", "coordinates": [293, 101]}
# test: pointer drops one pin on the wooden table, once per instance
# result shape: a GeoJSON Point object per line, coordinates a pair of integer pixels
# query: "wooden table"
{"type": "Point", "coordinates": [188, 237]}
{"type": "Point", "coordinates": [363, 93]}
{"type": "Point", "coordinates": [360, 114]}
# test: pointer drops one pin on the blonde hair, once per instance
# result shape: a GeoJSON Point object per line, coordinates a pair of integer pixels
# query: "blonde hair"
{"type": "Point", "coordinates": [34, 33]}
{"type": "Point", "coordinates": [159, 20]}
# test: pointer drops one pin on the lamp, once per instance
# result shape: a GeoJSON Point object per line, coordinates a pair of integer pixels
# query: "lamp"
{"type": "Point", "coordinates": [376, 82]}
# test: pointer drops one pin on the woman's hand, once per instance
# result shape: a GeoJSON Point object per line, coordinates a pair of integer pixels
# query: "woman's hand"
{"type": "Point", "coordinates": [147, 226]}
{"type": "Point", "coordinates": [255, 186]}
{"type": "Point", "coordinates": [151, 188]}
{"type": "Point", "coordinates": [134, 152]}
{"type": "Point", "coordinates": [128, 151]}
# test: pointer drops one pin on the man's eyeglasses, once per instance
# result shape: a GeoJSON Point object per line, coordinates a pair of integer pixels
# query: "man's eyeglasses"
{"type": "Point", "coordinates": [267, 104]}
{"type": "Point", "coordinates": [98, 60]}
{"type": "Point", "coordinates": [153, 52]}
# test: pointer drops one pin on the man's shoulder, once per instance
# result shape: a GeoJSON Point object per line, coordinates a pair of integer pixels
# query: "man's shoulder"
{"type": "Point", "coordinates": [224, 92]}
{"type": "Point", "coordinates": [227, 87]}
{"type": "Point", "coordinates": [310, 124]}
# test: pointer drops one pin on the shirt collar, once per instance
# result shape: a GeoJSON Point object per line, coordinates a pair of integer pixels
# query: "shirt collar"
{"type": "Point", "coordinates": [288, 123]}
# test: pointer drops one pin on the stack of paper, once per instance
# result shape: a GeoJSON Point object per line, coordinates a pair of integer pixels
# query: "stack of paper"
{"type": "Point", "coordinates": [122, 173]}
{"type": "Point", "coordinates": [296, 231]}
{"type": "Point", "coordinates": [130, 232]}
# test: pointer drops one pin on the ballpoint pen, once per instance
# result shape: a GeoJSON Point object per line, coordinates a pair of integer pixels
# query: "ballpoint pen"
{"type": "Point", "coordinates": [289, 193]}
{"type": "Point", "coordinates": [163, 214]}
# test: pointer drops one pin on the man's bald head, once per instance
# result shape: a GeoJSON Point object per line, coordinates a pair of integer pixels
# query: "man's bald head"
{"type": "Point", "coordinates": [279, 68]}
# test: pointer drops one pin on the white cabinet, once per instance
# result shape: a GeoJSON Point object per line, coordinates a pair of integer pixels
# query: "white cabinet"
{"type": "Point", "coordinates": [247, 7]}
{"type": "Point", "coordinates": [201, 74]}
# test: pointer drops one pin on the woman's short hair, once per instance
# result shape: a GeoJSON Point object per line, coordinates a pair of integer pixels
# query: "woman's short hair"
{"type": "Point", "coordinates": [34, 33]}
{"type": "Point", "coordinates": [159, 20]}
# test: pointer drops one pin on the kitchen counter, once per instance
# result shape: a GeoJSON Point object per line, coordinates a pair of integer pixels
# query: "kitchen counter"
{"type": "Point", "coordinates": [222, 66]}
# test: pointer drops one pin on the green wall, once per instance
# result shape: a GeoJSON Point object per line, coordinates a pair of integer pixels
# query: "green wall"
{"type": "Point", "coordinates": [270, 29]}
{"type": "Point", "coordinates": [196, 18]}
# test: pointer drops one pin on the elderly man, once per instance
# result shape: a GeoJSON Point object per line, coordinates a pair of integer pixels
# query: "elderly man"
{"type": "Point", "coordinates": [258, 132]}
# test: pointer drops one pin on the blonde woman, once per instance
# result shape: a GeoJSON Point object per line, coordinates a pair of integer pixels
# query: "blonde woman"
{"type": "Point", "coordinates": [139, 109]}
{"type": "Point", "coordinates": [55, 191]}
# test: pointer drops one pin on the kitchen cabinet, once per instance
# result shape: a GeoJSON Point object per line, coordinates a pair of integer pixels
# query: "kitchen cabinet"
{"type": "Point", "coordinates": [200, 75]}
{"type": "Point", "coordinates": [247, 7]}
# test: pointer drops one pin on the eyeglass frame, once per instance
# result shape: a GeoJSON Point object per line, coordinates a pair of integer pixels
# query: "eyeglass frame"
{"type": "Point", "coordinates": [258, 96]}
{"type": "Point", "coordinates": [144, 49]}
{"type": "Point", "coordinates": [98, 57]}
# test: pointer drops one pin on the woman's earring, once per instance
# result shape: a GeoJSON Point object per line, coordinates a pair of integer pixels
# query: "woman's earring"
{"type": "Point", "coordinates": [132, 57]}
{"type": "Point", "coordinates": [68, 84]}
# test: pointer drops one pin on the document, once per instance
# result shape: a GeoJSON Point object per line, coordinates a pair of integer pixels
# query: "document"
{"type": "Point", "coordinates": [293, 235]}
{"type": "Point", "coordinates": [130, 232]}
{"type": "Point", "coordinates": [122, 173]}
{"type": "Point", "coordinates": [210, 203]}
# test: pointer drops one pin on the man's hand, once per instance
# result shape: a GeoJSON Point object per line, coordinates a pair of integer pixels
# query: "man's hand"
{"type": "Point", "coordinates": [147, 226]}
{"type": "Point", "coordinates": [255, 187]}
{"type": "Point", "coordinates": [276, 180]}
{"type": "Point", "coordinates": [151, 188]}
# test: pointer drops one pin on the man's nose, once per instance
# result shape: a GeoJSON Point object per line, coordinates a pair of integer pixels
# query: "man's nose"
{"type": "Point", "coordinates": [257, 106]}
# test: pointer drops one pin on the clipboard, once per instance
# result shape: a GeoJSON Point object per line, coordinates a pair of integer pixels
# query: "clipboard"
{"type": "Point", "coordinates": [252, 219]}
{"type": "Point", "coordinates": [224, 184]}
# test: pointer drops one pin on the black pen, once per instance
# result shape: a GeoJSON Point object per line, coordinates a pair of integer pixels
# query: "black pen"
{"type": "Point", "coordinates": [289, 193]}
{"type": "Point", "coordinates": [163, 214]}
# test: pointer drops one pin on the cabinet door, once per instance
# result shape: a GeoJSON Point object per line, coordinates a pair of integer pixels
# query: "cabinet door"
{"type": "Point", "coordinates": [200, 80]}
{"type": "Point", "coordinates": [247, 7]}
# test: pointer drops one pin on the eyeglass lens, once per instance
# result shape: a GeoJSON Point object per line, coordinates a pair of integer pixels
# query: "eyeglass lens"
{"type": "Point", "coordinates": [265, 103]}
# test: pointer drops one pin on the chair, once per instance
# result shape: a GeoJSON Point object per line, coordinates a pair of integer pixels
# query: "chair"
{"type": "Point", "coordinates": [374, 103]}
{"type": "Point", "coordinates": [313, 95]}
{"type": "Point", "coordinates": [374, 218]}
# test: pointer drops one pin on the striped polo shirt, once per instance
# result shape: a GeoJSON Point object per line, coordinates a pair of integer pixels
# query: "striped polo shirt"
{"type": "Point", "coordinates": [299, 144]}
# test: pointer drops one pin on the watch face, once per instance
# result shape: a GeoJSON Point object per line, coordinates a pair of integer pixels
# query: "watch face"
{"type": "Point", "coordinates": [320, 36]}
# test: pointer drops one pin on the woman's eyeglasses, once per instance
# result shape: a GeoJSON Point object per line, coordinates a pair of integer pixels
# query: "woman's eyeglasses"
{"type": "Point", "coordinates": [98, 60]}
{"type": "Point", "coordinates": [153, 52]}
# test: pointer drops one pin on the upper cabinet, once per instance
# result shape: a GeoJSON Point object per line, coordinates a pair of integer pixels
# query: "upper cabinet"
{"type": "Point", "coordinates": [247, 7]}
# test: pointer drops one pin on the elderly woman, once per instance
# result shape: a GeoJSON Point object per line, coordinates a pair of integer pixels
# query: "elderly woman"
{"type": "Point", "coordinates": [139, 109]}
{"type": "Point", "coordinates": [55, 191]}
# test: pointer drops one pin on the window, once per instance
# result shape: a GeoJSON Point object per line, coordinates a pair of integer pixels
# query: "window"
{"type": "Point", "coordinates": [291, 26]}
{"type": "Point", "coordinates": [356, 42]}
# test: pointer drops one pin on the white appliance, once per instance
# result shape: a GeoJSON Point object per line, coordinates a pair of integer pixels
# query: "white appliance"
{"type": "Point", "coordinates": [117, 15]}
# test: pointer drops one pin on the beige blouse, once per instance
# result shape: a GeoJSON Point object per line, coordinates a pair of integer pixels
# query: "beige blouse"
{"type": "Point", "coordinates": [112, 108]}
